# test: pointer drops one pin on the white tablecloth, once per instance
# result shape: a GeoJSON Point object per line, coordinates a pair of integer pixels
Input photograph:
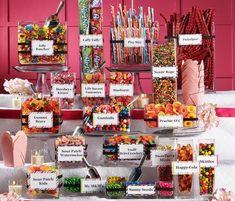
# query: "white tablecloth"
{"type": "Point", "coordinates": [224, 136]}
{"type": "Point", "coordinates": [225, 175]}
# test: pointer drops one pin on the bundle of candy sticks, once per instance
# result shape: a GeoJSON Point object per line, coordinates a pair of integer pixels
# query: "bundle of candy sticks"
{"type": "Point", "coordinates": [128, 23]}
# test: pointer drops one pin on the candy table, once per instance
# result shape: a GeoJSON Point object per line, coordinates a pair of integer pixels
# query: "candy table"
{"type": "Point", "coordinates": [224, 137]}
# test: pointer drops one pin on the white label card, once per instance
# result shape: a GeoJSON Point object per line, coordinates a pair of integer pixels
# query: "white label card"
{"type": "Point", "coordinates": [168, 71]}
{"type": "Point", "coordinates": [105, 119]}
{"type": "Point", "coordinates": [43, 181]}
{"type": "Point", "coordinates": [134, 42]}
{"type": "Point", "coordinates": [140, 190]}
{"type": "Point", "coordinates": [170, 121]}
{"type": "Point", "coordinates": [208, 161]}
{"type": "Point", "coordinates": [63, 90]}
{"type": "Point", "coordinates": [93, 90]}
{"type": "Point", "coordinates": [121, 90]}
{"type": "Point", "coordinates": [40, 120]}
{"type": "Point", "coordinates": [70, 153]}
{"type": "Point", "coordinates": [184, 167]}
{"type": "Point", "coordinates": [92, 185]}
{"type": "Point", "coordinates": [190, 39]}
{"type": "Point", "coordinates": [130, 151]}
{"type": "Point", "coordinates": [91, 40]}
{"type": "Point", "coordinates": [42, 48]}
{"type": "Point", "coordinates": [159, 157]}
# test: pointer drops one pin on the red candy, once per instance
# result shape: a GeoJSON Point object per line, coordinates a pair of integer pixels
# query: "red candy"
{"type": "Point", "coordinates": [125, 79]}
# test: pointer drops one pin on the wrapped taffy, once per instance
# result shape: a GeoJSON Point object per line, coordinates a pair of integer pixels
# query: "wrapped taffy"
{"type": "Point", "coordinates": [119, 147]}
{"type": "Point", "coordinates": [38, 44]}
{"type": "Point", "coordinates": [43, 181]}
{"type": "Point", "coordinates": [107, 118]}
{"type": "Point", "coordinates": [70, 149]}
{"type": "Point", "coordinates": [63, 86]}
{"type": "Point", "coordinates": [41, 115]}
{"type": "Point", "coordinates": [121, 88]}
{"type": "Point", "coordinates": [156, 114]}
{"type": "Point", "coordinates": [92, 54]}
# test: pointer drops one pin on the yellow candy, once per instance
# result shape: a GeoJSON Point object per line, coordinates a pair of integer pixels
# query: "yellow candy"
{"type": "Point", "coordinates": [88, 76]}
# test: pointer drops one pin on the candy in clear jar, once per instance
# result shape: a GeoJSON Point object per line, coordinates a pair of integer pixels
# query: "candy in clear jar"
{"type": "Point", "coordinates": [41, 116]}
{"type": "Point", "coordinates": [95, 79]}
{"type": "Point", "coordinates": [164, 87]}
{"type": "Point", "coordinates": [70, 149]}
{"type": "Point", "coordinates": [30, 36]}
{"type": "Point", "coordinates": [185, 153]}
{"type": "Point", "coordinates": [207, 174]}
{"type": "Point", "coordinates": [121, 116]}
{"type": "Point", "coordinates": [37, 189]}
{"type": "Point", "coordinates": [64, 87]}
{"type": "Point", "coordinates": [115, 187]}
{"type": "Point", "coordinates": [165, 184]}
{"type": "Point", "coordinates": [110, 146]}
{"type": "Point", "coordinates": [121, 88]}
{"type": "Point", "coordinates": [153, 111]}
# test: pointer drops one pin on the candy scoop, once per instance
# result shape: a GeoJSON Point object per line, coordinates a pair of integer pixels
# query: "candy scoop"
{"type": "Point", "coordinates": [91, 170]}
{"type": "Point", "coordinates": [53, 20]}
{"type": "Point", "coordinates": [136, 172]}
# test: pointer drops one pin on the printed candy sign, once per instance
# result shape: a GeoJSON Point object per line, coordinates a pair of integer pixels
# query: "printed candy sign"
{"type": "Point", "coordinates": [130, 151]}
{"type": "Point", "coordinates": [43, 181]}
{"type": "Point", "coordinates": [70, 153]}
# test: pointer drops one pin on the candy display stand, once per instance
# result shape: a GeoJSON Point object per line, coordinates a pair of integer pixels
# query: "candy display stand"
{"type": "Point", "coordinates": [133, 69]}
{"type": "Point", "coordinates": [41, 85]}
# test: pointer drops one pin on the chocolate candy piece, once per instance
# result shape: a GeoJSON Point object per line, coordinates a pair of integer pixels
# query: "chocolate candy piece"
{"type": "Point", "coordinates": [72, 184]}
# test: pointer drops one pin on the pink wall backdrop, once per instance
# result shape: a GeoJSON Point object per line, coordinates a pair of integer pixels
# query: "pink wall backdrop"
{"type": "Point", "coordinates": [12, 11]}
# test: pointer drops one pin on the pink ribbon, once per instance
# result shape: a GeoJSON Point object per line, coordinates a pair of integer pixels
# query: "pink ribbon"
{"type": "Point", "coordinates": [225, 112]}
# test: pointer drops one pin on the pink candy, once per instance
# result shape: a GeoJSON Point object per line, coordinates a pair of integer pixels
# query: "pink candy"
{"type": "Point", "coordinates": [70, 140]}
